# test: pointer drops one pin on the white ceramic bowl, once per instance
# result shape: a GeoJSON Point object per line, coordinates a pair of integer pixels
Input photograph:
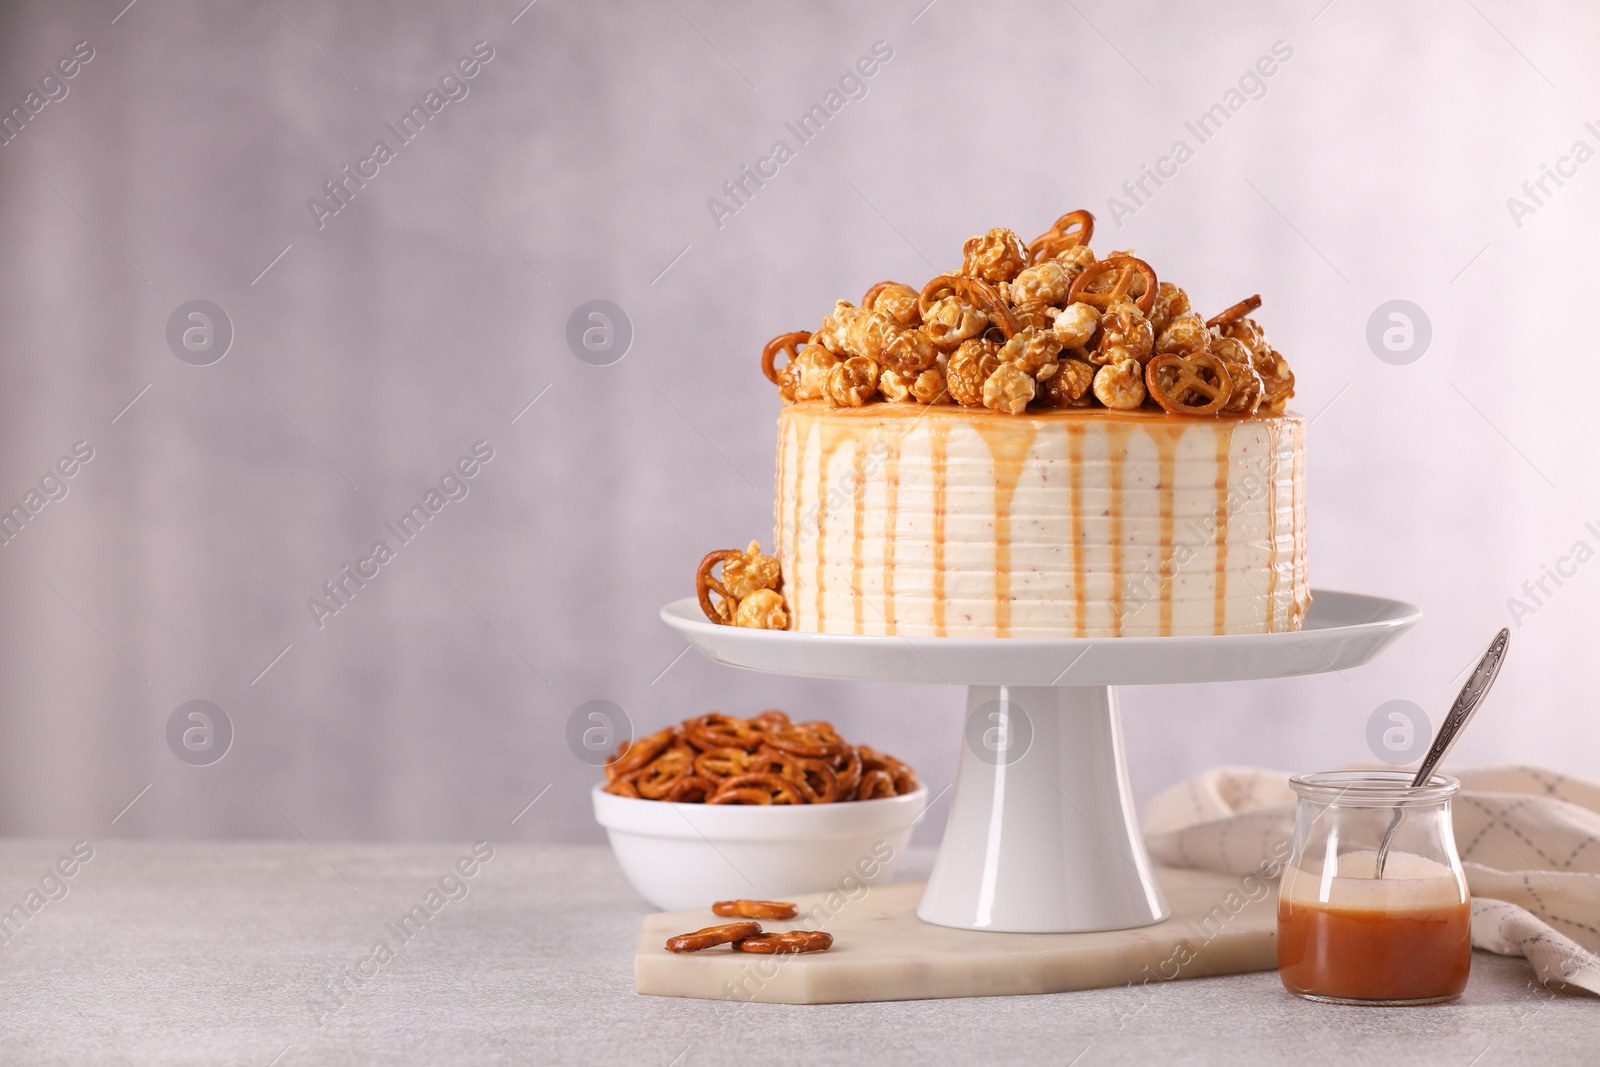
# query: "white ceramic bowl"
{"type": "Point", "coordinates": [682, 856]}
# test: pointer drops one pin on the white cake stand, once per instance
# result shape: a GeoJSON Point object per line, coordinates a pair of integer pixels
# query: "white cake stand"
{"type": "Point", "coordinates": [1042, 836]}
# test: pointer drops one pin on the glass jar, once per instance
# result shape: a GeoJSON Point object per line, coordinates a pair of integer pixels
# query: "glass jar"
{"type": "Point", "coordinates": [1349, 934]}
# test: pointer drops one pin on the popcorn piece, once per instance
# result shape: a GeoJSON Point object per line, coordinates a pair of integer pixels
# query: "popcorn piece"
{"type": "Point", "coordinates": [753, 571]}
{"type": "Point", "coordinates": [1069, 386]}
{"type": "Point", "coordinates": [1185, 334]}
{"type": "Point", "coordinates": [969, 368]}
{"type": "Point", "coordinates": [1076, 324]}
{"type": "Point", "coordinates": [1276, 377]}
{"type": "Point", "coordinates": [909, 352]}
{"type": "Point", "coordinates": [1124, 334]}
{"type": "Point", "coordinates": [895, 386]}
{"type": "Point", "coordinates": [997, 256]}
{"type": "Point", "coordinates": [831, 335]}
{"type": "Point", "coordinates": [899, 303]}
{"type": "Point", "coordinates": [1248, 388]}
{"type": "Point", "coordinates": [1170, 303]}
{"type": "Point", "coordinates": [853, 382]}
{"type": "Point", "coordinates": [1040, 285]}
{"type": "Point", "coordinates": [1120, 385]}
{"type": "Point", "coordinates": [867, 333]}
{"type": "Point", "coordinates": [1008, 390]}
{"type": "Point", "coordinates": [809, 371]}
{"type": "Point", "coordinates": [929, 388]}
{"type": "Point", "coordinates": [762, 610]}
{"type": "Point", "coordinates": [1075, 259]}
{"type": "Point", "coordinates": [951, 320]}
{"type": "Point", "coordinates": [1033, 351]}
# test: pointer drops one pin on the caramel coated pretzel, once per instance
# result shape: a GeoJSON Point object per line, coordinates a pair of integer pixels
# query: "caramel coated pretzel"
{"type": "Point", "coordinates": [1072, 230]}
{"type": "Point", "coordinates": [755, 909]}
{"type": "Point", "coordinates": [757, 789]}
{"type": "Point", "coordinates": [1188, 381]}
{"type": "Point", "coordinates": [976, 292]}
{"type": "Point", "coordinates": [1127, 268]}
{"type": "Point", "coordinates": [711, 936]}
{"type": "Point", "coordinates": [787, 343]}
{"type": "Point", "coordinates": [1227, 318]}
{"type": "Point", "coordinates": [705, 585]}
{"type": "Point", "coordinates": [789, 941]}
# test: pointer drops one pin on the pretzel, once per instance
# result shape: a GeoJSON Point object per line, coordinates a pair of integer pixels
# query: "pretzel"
{"type": "Point", "coordinates": [875, 785]}
{"type": "Point", "coordinates": [976, 292]}
{"type": "Point", "coordinates": [632, 755]}
{"type": "Point", "coordinates": [757, 789]}
{"type": "Point", "coordinates": [666, 769]}
{"type": "Point", "coordinates": [723, 762]}
{"type": "Point", "coordinates": [716, 730]}
{"type": "Point", "coordinates": [689, 789]}
{"type": "Point", "coordinates": [622, 787]}
{"type": "Point", "coordinates": [1127, 269]}
{"type": "Point", "coordinates": [810, 743]}
{"type": "Point", "coordinates": [1062, 235]}
{"type": "Point", "coordinates": [705, 585]}
{"type": "Point", "coordinates": [1188, 380]}
{"type": "Point", "coordinates": [711, 936]}
{"type": "Point", "coordinates": [1227, 318]}
{"type": "Point", "coordinates": [787, 343]}
{"type": "Point", "coordinates": [755, 909]}
{"type": "Point", "coordinates": [787, 942]}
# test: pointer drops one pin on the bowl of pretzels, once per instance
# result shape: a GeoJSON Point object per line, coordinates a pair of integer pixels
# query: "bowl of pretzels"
{"type": "Point", "coordinates": [717, 807]}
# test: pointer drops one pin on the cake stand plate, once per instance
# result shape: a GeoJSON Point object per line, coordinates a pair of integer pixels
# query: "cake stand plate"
{"type": "Point", "coordinates": [1042, 836]}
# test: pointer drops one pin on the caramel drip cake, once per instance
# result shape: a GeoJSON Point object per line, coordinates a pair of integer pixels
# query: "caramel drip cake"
{"type": "Point", "coordinates": [1042, 443]}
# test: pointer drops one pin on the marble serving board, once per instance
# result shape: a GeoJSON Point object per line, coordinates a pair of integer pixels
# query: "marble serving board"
{"type": "Point", "coordinates": [882, 951]}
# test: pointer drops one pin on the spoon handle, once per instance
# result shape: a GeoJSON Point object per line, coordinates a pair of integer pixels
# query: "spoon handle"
{"type": "Point", "coordinates": [1467, 702]}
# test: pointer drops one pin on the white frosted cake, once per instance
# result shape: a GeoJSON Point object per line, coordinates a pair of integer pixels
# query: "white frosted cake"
{"type": "Point", "coordinates": [944, 521]}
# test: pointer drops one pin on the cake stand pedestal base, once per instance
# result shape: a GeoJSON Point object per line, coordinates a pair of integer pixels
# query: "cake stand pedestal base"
{"type": "Point", "coordinates": [1042, 836]}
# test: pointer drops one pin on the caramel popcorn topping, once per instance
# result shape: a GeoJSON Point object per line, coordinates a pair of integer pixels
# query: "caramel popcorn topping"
{"type": "Point", "coordinates": [1047, 324]}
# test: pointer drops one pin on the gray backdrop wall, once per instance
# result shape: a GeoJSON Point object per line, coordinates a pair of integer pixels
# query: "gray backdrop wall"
{"type": "Point", "coordinates": [373, 347]}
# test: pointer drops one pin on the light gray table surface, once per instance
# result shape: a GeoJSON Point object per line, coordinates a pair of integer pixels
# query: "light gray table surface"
{"type": "Point", "coordinates": [222, 953]}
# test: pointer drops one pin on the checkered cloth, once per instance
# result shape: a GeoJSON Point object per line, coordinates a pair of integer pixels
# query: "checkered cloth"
{"type": "Point", "coordinates": [1529, 842]}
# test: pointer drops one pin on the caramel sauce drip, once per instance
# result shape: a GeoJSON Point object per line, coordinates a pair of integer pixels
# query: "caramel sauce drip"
{"type": "Point", "coordinates": [831, 434]}
{"type": "Point", "coordinates": [1224, 450]}
{"type": "Point", "coordinates": [1166, 497]}
{"type": "Point", "coordinates": [939, 439]}
{"type": "Point", "coordinates": [891, 506]}
{"type": "Point", "coordinates": [1008, 443]}
{"type": "Point", "coordinates": [1271, 429]}
{"type": "Point", "coordinates": [1116, 442]}
{"type": "Point", "coordinates": [1075, 489]}
{"type": "Point", "coordinates": [858, 541]}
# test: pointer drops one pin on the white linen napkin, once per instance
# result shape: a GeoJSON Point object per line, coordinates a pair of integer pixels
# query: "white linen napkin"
{"type": "Point", "coordinates": [1529, 841]}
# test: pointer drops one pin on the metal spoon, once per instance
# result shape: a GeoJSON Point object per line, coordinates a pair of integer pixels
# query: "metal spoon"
{"type": "Point", "coordinates": [1461, 712]}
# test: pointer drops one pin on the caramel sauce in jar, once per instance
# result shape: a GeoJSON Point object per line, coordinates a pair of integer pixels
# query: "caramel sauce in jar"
{"type": "Point", "coordinates": [1399, 940]}
{"type": "Point", "coordinates": [1347, 935]}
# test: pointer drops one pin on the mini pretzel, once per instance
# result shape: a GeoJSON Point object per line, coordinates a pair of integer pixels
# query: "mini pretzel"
{"type": "Point", "coordinates": [1071, 230]}
{"type": "Point", "coordinates": [809, 743]}
{"type": "Point", "coordinates": [1235, 313]}
{"type": "Point", "coordinates": [787, 343]}
{"type": "Point", "coordinates": [690, 789]}
{"type": "Point", "coordinates": [705, 585]}
{"type": "Point", "coordinates": [1188, 380]}
{"type": "Point", "coordinates": [632, 755]}
{"type": "Point", "coordinates": [757, 789]}
{"type": "Point", "coordinates": [790, 941]}
{"type": "Point", "coordinates": [755, 909]}
{"type": "Point", "coordinates": [980, 294]}
{"type": "Point", "coordinates": [716, 730]}
{"type": "Point", "coordinates": [712, 936]}
{"type": "Point", "coordinates": [1127, 268]}
{"type": "Point", "coordinates": [875, 785]}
